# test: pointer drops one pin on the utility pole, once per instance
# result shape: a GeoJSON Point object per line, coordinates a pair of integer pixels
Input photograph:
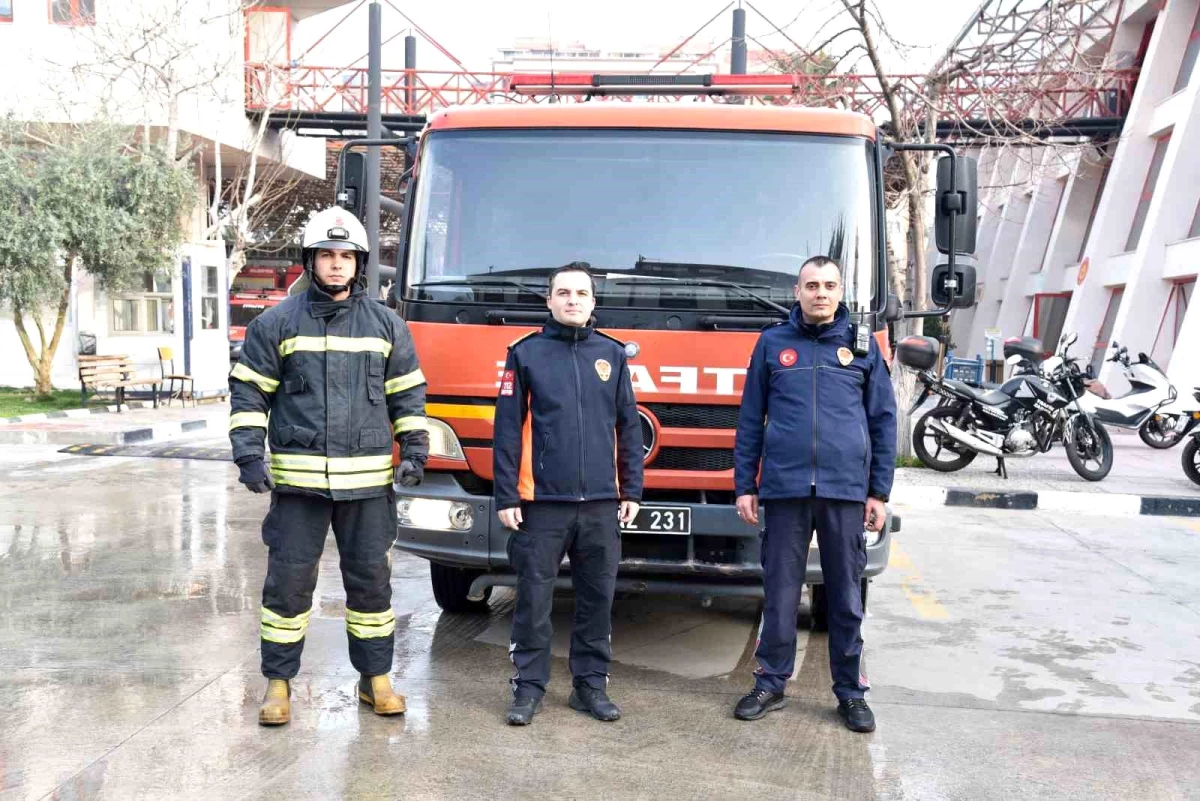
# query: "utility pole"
{"type": "Point", "coordinates": [737, 56]}
{"type": "Point", "coordinates": [374, 131]}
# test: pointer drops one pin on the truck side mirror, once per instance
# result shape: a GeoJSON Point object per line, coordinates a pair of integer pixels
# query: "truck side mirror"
{"type": "Point", "coordinates": [894, 310]}
{"type": "Point", "coordinates": [954, 290]}
{"type": "Point", "coordinates": [352, 182]}
{"type": "Point", "coordinates": [958, 203]}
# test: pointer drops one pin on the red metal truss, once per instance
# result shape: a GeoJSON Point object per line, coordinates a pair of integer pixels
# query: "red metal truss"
{"type": "Point", "coordinates": [964, 94]}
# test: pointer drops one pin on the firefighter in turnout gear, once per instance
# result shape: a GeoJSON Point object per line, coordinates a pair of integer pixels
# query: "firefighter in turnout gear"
{"type": "Point", "coordinates": [329, 378]}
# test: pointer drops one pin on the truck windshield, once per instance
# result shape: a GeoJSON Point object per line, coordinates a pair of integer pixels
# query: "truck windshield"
{"type": "Point", "coordinates": [667, 219]}
{"type": "Point", "coordinates": [243, 314]}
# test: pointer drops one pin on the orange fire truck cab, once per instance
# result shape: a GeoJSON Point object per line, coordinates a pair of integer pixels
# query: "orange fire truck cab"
{"type": "Point", "coordinates": [255, 289]}
{"type": "Point", "coordinates": [695, 218]}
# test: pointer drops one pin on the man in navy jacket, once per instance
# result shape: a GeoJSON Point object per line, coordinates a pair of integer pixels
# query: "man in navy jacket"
{"type": "Point", "coordinates": [819, 419]}
{"type": "Point", "coordinates": [567, 459]}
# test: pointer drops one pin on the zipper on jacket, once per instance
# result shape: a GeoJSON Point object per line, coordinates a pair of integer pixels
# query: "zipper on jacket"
{"type": "Point", "coordinates": [578, 407]}
{"type": "Point", "coordinates": [814, 425]}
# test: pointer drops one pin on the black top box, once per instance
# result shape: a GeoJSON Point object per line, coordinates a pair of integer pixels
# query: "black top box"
{"type": "Point", "coordinates": [1026, 347]}
{"type": "Point", "coordinates": [919, 353]}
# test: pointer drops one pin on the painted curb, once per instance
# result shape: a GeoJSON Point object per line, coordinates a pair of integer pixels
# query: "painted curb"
{"type": "Point", "coordinates": [1055, 501]}
{"type": "Point", "coordinates": [66, 413]}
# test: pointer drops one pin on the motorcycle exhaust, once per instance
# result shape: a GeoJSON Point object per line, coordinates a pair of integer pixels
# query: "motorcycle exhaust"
{"type": "Point", "coordinates": [962, 437]}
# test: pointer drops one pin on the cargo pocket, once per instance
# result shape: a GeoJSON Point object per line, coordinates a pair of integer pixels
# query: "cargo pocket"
{"type": "Point", "coordinates": [295, 385]}
{"type": "Point", "coordinates": [375, 374]}
{"type": "Point", "coordinates": [297, 435]}
{"type": "Point", "coordinates": [374, 438]}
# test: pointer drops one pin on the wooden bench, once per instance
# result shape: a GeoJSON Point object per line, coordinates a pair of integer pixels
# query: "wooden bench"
{"type": "Point", "coordinates": [112, 373]}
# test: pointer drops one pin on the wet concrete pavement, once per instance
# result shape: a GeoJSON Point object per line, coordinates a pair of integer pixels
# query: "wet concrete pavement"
{"type": "Point", "coordinates": [1013, 655]}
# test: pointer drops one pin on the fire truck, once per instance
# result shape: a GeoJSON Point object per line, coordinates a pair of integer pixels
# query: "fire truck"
{"type": "Point", "coordinates": [255, 289]}
{"type": "Point", "coordinates": [695, 217]}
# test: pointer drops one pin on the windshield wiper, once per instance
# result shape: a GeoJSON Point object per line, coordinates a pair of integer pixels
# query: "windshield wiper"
{"type": "Point", "coordinates": [481, 282]}
{"type": "Point", "coordinates": [770, 304]}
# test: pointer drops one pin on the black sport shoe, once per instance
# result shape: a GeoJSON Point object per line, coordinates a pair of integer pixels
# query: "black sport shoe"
{"type": "Point", "coordinates": [522, 709]}
{"type": "Point", "coordinates": [758, 703]}
{"type": "Point", "coordinates": [856, 715]}
{"type": "Point", "coordinates": [594, 702]}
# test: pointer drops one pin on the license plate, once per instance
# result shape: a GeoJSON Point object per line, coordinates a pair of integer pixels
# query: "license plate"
{"type": "Point", "coordinates": [661, 520]}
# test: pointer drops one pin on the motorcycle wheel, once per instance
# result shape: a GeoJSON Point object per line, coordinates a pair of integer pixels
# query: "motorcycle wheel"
{"type": "Point", "coordinates": [942, 444]}
{"type": "Point", "coordinates": [1191, 459]}
{"type": "Point", "coordinates": [1085, 449]}
{"type": "Point", "coordinates": [1159, 434]}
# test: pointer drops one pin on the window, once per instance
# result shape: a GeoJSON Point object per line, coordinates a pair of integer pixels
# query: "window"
{"type": "Point", "coordinates": [1172, 321]}
{"type": "Point", "coordinates": [1087, 232]}
{"type": "Point", "coordinates": [73, 12]}
{"type": "Point", "coordinates": [210, 314]}
{"type": "Point", "coordinates": [148, 311]}
{"type": "Point", "coordinates": [1106, 328]}
{"type": "Point", "coordinates": [1189, 55]}
{"type": "Point", "coordinates": [1049, 314]}
{"type": "Point", "coordinates": [1143, 206]}
{"type": "Point", "coordinates": [6, 10]}
{"type": "Point", "coordinates": [1194, 231]}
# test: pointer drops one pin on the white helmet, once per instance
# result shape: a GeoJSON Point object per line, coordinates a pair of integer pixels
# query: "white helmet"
{"type": "Point", "coordinates": [331, 229]}
{"type": "Point", "coordinates": [335, 229]}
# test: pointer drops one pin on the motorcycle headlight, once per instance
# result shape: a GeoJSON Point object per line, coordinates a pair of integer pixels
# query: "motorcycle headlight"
{"type": "Point", "coordinates": [443, 442]}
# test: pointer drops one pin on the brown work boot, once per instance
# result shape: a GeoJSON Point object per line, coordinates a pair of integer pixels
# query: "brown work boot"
{"type": "Point", "coordinates": [377, 691]}
{"type": "Point", "coordinates": [276, 708]}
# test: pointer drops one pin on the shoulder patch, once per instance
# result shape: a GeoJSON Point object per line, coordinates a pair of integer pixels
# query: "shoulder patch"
{"type": "Point", "coordinates": [609, 337]}
{"type": "Point", "coordinates": [521, 339]}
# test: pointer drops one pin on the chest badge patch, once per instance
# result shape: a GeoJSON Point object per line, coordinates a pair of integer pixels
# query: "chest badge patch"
{"type": "Point", "coordinates": [845, 356]}
{"type": "Point", "coordinates": [787, 358]}
{"type": "Point", "coordinates": [603, 369]}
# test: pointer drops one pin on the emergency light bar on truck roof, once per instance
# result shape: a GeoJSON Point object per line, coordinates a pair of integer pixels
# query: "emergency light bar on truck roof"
{"type": "Point", "coordinates": [598, 84]}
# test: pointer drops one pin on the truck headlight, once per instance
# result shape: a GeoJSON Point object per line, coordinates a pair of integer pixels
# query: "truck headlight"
{"type": "Point", "coordinates": [443, 442]}
{"type": "Point", "coordinates": [432, 513]}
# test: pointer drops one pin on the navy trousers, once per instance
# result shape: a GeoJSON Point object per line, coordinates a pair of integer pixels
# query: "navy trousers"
{"type": "Point", "coordinates": [587, 532]}
{"type": "Point", "coordinates": [788, 530]}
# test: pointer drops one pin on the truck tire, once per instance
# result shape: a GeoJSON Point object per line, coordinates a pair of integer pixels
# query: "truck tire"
{"type": "Point", "coordinates": [819, 614]}
{"type": "Point", "coordinates": [450, 587]}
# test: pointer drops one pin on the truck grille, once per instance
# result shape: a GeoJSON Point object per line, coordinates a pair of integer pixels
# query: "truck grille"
{"type": "Point", "coordinates": [692, 459]}
{"type": "Point", "coordinates": [694, 415]}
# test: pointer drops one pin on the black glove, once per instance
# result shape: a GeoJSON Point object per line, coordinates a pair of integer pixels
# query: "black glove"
{"type": "Point", "coordinates": [409, 473]}
{"type": "Point", "coordinates": [254, 475]}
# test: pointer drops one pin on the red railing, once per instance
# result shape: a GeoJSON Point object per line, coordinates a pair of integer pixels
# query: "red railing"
{"type": "Point", "coordinates": [988, 95]}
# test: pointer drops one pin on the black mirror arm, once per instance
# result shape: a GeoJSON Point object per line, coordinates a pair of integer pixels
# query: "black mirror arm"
{"type": "Point", "coordinates": [939, 311]}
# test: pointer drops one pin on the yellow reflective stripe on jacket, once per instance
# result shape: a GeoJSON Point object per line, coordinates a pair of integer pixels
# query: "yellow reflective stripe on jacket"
{"type": "Point", "coordinates": [296, 461]}
{"type": "Point", "coordinates": [276, 628]}
{"type": "Point", "coordinates": [244, 373]}
{"type": "Point", "coordinates": [413, 379]}
{"type": "Point", "coordinates": [370, 625]}
{"type": "Point", "coordinates": [292, 479]}
{"type": "Point", "coordinates": [408, 424]}
{"type": "Point", "coordinates": [247, 420]}
{"type": "Point", "coordinates": [358, 464]}
{"type": "Point", "coordinates": [337, 481]}
{"type": "Point", "coordinates": [349, 481]}
{"type": "Point", "coordinates": [335, 464]}
{"type": "Point", "coordinates": [343, 344]}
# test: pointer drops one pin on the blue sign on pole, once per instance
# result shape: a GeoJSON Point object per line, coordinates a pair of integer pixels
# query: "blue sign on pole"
{"type": "Point", "coordinates": [187, 315]}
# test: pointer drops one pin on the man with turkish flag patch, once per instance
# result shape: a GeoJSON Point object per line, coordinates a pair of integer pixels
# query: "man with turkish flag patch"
{"type": "Point", "coordinates": [819, 419]}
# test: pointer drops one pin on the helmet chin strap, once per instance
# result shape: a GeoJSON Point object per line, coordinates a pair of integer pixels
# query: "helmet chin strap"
{"type": "Point", "coordinates": [333, 289]}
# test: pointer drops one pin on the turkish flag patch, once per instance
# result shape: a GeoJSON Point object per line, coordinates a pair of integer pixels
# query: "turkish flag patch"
{"type": "Point", "coordinates": [506, 382]}
{"type": "Point", "coordinates": [787, 358]}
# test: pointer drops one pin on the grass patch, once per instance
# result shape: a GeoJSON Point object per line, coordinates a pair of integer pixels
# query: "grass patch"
{"type": "Point", "coordinates": [15, 402]}
{"type": "Point", "coordinates": [909, 461]}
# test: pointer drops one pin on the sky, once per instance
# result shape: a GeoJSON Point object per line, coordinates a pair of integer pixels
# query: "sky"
{"type": "Point", "coordinates": [473, 30]}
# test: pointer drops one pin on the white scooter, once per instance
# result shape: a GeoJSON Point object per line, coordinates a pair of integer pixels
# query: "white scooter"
{"type": "Point", "coordinates": [1152, 406]}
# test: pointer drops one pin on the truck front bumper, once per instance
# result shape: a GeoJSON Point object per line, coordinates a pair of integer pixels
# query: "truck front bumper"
{"type": "Point", "coordinates": [442, 522]}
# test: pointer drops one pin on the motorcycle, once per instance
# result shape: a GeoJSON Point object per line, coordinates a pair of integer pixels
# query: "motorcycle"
{"type": "Point", "coordinates": [1026, 415]}
{"type": "Point", "coordinates": [1191, 452]}
{"type": "Point", "coordinates": [1151, 406]}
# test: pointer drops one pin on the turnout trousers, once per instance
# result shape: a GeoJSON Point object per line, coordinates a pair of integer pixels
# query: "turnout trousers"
{"type": "Point", "coordinates": [587, 533]}
{"type": "Point", "coordinates": [294, 531]}
{"type": "Point", "coordinates": [787, 532]}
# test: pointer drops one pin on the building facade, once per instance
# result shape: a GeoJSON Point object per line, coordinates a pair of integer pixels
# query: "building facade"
{"type": "Point", "coordinates": [1103, 241]}
{"type": "Point", "coordinates": [71, 61]}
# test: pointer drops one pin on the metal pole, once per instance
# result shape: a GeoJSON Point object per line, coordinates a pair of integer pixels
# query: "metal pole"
{"type": "Point", "coordinates": [374, 131]}
{"type": "Point", "coordinates": [737, 58]}
{"type": "Point", "coordinates": [410, 63]}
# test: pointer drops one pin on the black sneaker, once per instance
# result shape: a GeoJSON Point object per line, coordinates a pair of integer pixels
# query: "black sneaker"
{"type": "Point", "coordinates": [758, 703]}
{"type": "Point", "coordinates": [522, 709]}
{"type": "Point", "coordinates": [594, 702]}
{"type": "Point", "coordinates": [856, 715]}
